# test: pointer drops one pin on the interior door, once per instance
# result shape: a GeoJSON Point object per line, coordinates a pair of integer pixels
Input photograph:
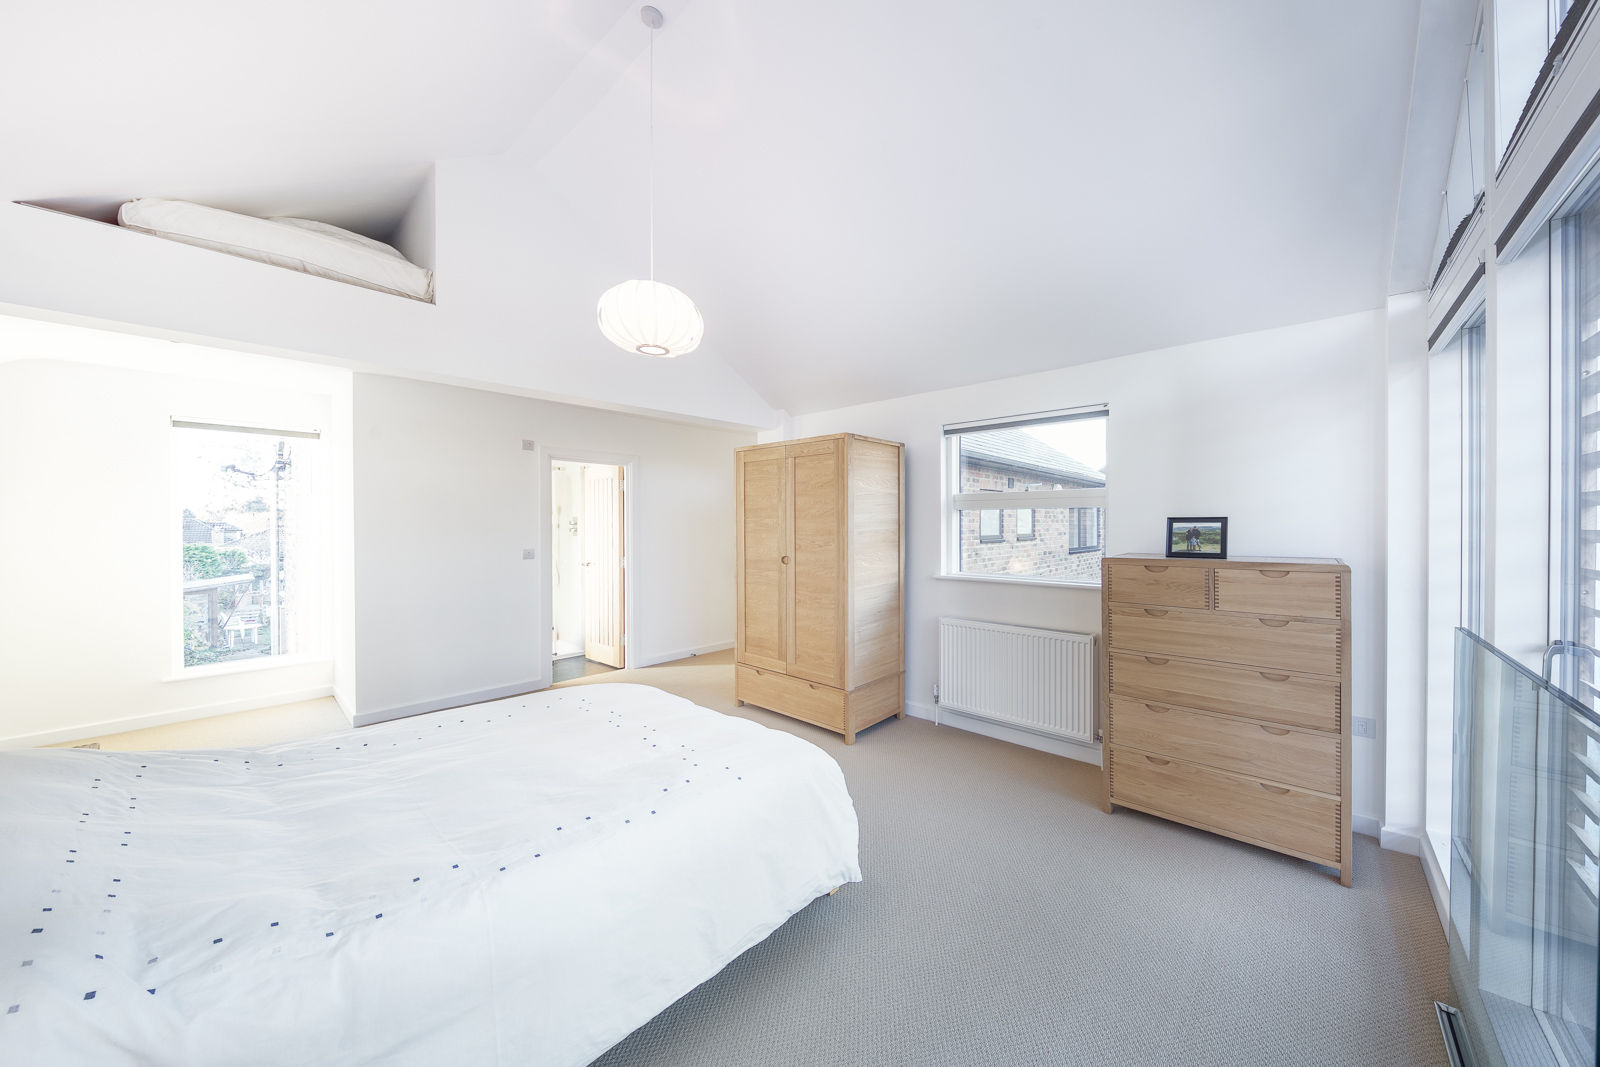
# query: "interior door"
{"type": "Point", "coordinates": [817, 567]}
{"type": "Point", "coordinates": [603, 607]}
{"type": "Point", "coordinates": [761, 631]}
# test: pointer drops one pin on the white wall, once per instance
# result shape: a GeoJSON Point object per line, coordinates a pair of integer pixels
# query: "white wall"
{"type": "Point", "coordinates": [1282, 431]}
{"type": "Point", "coordinates": [88, 557]}
{"type": "Point", "coordinates": [1406, 589]}
{"type": "Point", "coordinates": [446, 500]}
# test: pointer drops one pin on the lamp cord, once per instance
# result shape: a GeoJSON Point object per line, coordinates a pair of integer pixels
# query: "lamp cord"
{"type": "Point", "coordinates": [652, 154]}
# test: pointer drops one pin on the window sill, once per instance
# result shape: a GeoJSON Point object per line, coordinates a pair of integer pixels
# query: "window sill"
{"type": "Point", "coordinates": [265, 663]}
{"type": "Point", "coordinates": [996, 579]}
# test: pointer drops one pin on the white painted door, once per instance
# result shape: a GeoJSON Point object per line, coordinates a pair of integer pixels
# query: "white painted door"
{"type": "Point", "coordinates": [602, 565]}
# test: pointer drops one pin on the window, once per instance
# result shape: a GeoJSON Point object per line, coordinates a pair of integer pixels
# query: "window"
{"type": "Point", "coordinates": [1026, 497]}
{"type": "Point", "coordinates": [1530, 36]}
{"type": "Point", "coordinates": [1455, 552]}
{"type": "Point", "coordinates": [249, 543]}
{"type": "Point", "coordinates": [1463, 180]}
{"type": "Point", "coordinates": [990, 526]}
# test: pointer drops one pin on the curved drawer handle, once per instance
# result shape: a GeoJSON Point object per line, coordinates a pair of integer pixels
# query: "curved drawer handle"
{"type": "Point", "coordinates": [1155, 570]}
{"type": "Point", "coordinates": [1157, 660]}
{"type": "Point", "coordinates": [1273, 677]}
{"type": "Point", "coordinates": [1276, 624]}
{"type": "Point", "coordinates": [1154, 611]}
{"type": "Point", "coordinates": [1278, 730]}
{"type": "Point", "coordinates": [1274, 574]}
{"type": "Point", "coordinates": [1280, 790]}
{"type": "Point", "coordinates": [1164, 762]}
{"type": "Point", "coordinates": [1158, 709]}
{"type": "Point", "coordinates": [812, 684]}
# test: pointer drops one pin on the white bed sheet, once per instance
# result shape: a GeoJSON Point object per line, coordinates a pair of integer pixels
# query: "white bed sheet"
{"type": "Point", "coordinates": [299, 244]}
{"type": "Point", "coordinates": [519, 882]}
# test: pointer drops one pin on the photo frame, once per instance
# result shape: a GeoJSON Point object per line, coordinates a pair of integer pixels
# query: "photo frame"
{"type": "Point", "coordinates": [1190, 537]}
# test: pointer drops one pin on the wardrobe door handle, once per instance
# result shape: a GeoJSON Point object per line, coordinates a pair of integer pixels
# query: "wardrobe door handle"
{"type": "Point", "coordinates": [1273, 677]}
{"type": "Point", "coordinates": [1280, 790]}
{"type": "Point", "coordinates": [1158, 661]}
{"type": "Point", "coordinates": [1155, 612]}
{"type": "Point", "coordinates": [1274, 574]}
{"type": "Point", "coordinates": [1278, 730]}
{"type": "Point", "coordinates": [1164, 762]}
{"type": "Point", "coordinates": [1276, 624]}
{"type": "Point", "coordinates": [784, 561]}
{"type": "Point", "coordinates": [814, 685]}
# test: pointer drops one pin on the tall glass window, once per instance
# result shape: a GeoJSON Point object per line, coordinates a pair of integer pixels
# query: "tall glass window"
{"type": "Point", "coordinates": [1455, 547]}
{"type": "Point", "coordinates": [248, 547]}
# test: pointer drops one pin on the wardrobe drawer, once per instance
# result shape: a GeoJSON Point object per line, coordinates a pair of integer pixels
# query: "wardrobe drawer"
{"type": "Point", "coordinates": [1281, 697]}
{"type": "Point", "coordinates": [1275, 815]}
{"type": "Point", "coordinates": [795, 697]}
{"type": "Point", "coordinates": [1135, 582]}
{"type": "Point", "coordinates": [1303, 758]}
{"type": "Point", "coordinates": [1267, 642]}
{"type": "Point", "coordinates": [1278, 591]}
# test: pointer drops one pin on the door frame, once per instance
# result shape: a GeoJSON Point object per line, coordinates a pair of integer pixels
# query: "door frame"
{"type": "Point", "coordinates": [544, 457]}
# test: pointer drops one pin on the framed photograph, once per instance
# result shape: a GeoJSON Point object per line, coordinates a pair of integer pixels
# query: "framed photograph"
{"type": "Point", "coordinates": [1192, 538]}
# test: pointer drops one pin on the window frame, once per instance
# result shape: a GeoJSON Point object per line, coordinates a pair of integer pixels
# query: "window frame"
{"type": "Point", "coordinates": [315, 616]}
{"type": "Point", "coordinates": [1029, 535]}
{"type": "Point", "coordinates": [955, 503]}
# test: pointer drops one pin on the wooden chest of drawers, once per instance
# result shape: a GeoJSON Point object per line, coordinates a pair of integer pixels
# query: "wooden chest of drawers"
{"type": "Point", "coordinates": [1227, 689]}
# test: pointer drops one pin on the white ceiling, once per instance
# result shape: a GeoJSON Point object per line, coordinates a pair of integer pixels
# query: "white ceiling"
{"type": "Point", "coordinates": [865, 199]}
{"type": "Point", "coordinates": [331, 108]}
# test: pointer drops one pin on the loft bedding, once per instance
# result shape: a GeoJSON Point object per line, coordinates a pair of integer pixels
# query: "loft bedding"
{"type": "Point", "coordinates": [519, 882]}
{"type": "Point", "coordinates": [299, 244]}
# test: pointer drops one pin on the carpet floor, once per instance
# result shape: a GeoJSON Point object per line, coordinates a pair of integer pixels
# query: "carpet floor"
{"type": "Point", "coordinates": [1005, 919]}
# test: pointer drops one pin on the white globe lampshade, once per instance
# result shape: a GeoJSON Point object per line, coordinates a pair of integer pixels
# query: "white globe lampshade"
{"type": "Point", "coordinates": [651, 318]}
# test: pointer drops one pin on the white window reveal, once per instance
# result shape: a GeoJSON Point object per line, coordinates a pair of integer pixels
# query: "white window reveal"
{"type": "Point", "coordinates": [1026, 497]}
{"type": "Point", "coordinates": [249, 550]}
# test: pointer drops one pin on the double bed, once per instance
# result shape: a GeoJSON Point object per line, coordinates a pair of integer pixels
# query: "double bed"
{"type": "Point", "coordinates": [519, 882]}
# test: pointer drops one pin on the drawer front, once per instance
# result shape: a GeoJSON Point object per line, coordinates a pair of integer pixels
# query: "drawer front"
{"type": "Point", "coordinates": [1292, 699]}
{"type": "Point", "coordinates": [1275, 815]}
{"type": "Point", "coordinates": [1278, 591]}
{"type": "Point", "coordinates": [1131, 582]}
{"type": "Point", "coordinates": [1284, 644]}
{"type": "Point", "coordinates": [795, 697]}
{"type": "Point", "coordinates": [1301, 758]}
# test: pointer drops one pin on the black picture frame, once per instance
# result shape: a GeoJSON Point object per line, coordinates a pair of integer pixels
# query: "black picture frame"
{"type": "Point", "coordinates": [1178, 527]}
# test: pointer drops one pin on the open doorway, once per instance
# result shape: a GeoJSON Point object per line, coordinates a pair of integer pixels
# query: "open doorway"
{"type": "Point", "coordinates": [587, 560]}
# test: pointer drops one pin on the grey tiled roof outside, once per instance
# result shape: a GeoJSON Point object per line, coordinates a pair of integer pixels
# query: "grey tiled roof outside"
{"type": "Point", "coordinates": [1025, 452]}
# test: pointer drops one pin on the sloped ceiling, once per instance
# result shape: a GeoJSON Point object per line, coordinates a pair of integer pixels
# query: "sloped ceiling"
{"type": "Point", "coordinates": [865, 199]}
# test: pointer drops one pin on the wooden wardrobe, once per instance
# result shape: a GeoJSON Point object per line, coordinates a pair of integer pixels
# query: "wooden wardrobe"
{"type": "Point", "coordinates": [1227, 686]}
{"type": "Point", "coordinates": [821, 568]}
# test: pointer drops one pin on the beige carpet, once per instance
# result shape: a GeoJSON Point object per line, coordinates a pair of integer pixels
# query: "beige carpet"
{"type": "Point", "coordinates": [1005, 919]}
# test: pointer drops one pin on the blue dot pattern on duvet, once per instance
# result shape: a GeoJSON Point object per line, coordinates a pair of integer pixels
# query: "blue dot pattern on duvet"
{"type": "Point", "coordinates": [175, 780]}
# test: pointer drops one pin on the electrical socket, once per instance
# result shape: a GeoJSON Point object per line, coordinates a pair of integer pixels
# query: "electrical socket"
{"type": "Point", "coordinates": [1365, 727]}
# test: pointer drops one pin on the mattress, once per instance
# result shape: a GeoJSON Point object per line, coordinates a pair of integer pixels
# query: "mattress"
{"type": "Point", "coordinates": [299, 244]}
{"type": "Point", "coordinates": [519, 882]}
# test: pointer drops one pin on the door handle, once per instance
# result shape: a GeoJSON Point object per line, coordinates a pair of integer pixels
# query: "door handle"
{"type": "Point", "coordinates": [784, 561]}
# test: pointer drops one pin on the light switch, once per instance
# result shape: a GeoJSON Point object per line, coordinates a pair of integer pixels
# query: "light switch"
{"type": "Point", "coordinates": [529, 553]}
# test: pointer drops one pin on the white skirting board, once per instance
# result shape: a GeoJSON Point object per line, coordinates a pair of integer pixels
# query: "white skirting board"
{"type": "Point", "coordinates": [1026, 738]}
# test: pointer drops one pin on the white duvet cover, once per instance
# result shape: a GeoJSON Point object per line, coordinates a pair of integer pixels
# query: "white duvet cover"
{"type": "Point", "coordinates": [519, 882]}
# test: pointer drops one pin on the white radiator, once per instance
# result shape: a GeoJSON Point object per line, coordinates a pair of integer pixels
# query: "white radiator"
{"type": "Point", "coordinates": [1037, 680]}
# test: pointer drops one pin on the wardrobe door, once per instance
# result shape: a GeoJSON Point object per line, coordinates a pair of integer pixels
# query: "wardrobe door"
{"type": "Point", "coordinates": [763, 555]}
{"type": "Point", "coordinates": [817, 567]}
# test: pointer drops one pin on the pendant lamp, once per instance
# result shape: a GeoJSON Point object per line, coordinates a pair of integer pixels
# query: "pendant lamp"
{"type": "Point", "coordinates": [650, 317]}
